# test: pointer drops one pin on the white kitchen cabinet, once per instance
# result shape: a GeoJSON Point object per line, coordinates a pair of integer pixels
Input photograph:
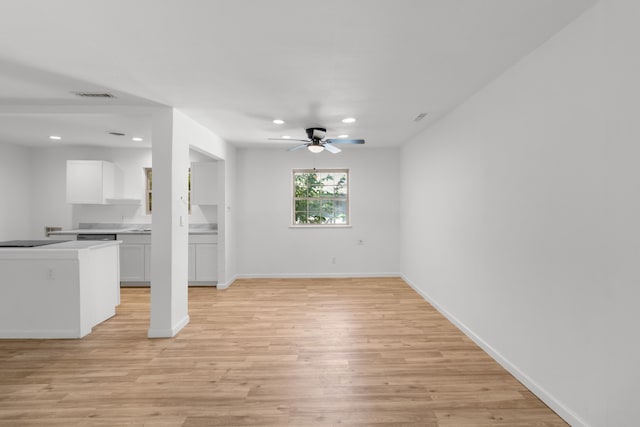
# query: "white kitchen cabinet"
{"type": "Point", "coordinates": [203, 258]}
{"type": "Point", "coordinates": [147, 262]}
{"type": "Point", "coordinates": [90, 181]}
{"type": "Point", "coordinates": [132, 263]}
{"type": "Point", "coordinates": [192, 263]}
{"type": "Point", "coordinates": [206, 260]}
{"type": "Point", "coordinates": [135, 258]}
{"type": "Point", "coordinates": [204, 183]}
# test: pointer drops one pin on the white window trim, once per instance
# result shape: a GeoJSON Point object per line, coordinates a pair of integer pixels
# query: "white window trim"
{"type": "Point", "coordinates": [149, 194]}
{"type": "Point", "coordinates": [293, 198]}
{"type": "Point", "coordinates": [321, 226]}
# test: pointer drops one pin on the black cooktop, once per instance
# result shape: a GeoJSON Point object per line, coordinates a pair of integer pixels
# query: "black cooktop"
{"type": "Point", "coordinates": [27, 243]}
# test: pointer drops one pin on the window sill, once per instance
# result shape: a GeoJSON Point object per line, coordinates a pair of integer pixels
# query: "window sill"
{"type": "Point", "coordinates": [321, 226]}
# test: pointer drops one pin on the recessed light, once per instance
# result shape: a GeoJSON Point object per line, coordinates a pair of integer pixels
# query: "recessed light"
{"type": "Point", "coordinates": [55, 137]}
{"type": "Point", "coordinates": [136, 139]}
{"type": "Point", "coordinates": [349, 120]}
{"type": "Point", "coordinates": [343, 136]}
{"type": "Point", "coordinates": [286, 137]}
{"type": "Point", "coordinates": [278, 121]}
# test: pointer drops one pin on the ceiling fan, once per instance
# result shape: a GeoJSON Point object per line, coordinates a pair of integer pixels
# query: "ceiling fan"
{"type": "Point", "coordinates": [315, 141]}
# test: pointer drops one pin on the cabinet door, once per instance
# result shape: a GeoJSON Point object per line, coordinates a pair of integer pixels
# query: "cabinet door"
{"type": "Point", "coordinates": [132, 263]}
{"type": "Point", "coordinates": [84, 181]}
{"type": "Point", "coordinates": [147, 263]}
{"type": "Point", "coordinates": [192, 263]}
{"type": "Point", "coordinates": [90, 181]}
{"type": "Point", "coordinates": [206, 262]}
{"type": "Point", "coordinates": [204, 183]}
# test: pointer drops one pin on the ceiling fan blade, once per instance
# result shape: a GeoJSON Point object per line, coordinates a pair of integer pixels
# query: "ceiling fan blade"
{"type": "Point", "coordinates": [331, 148]}
{"type": "Point", "coordinates": [297, 147]}
{"type": "Point", "coordinates": [345, 141]}
{"type": "Point", "coordinates": [288, 139]}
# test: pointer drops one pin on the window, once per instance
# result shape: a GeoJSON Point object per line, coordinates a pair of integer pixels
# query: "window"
{"type": "Point", "coordinates": [320, 197]}
{"type": "Point", "coordinates": [149, 193]}
{"type": "Point", "coordinates": [149, 199]}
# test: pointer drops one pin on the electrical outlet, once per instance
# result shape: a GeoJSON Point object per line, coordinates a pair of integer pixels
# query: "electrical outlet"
{"type": "Point", "coordinates": [50, 275]}
{"type": "Point", "coordinates": [333, 260]}
{"type": "Point", "coordinates": [360, 242]}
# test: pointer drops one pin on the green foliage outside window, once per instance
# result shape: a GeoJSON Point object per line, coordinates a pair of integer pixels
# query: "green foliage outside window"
{"type": "Point", "coordinates": [148, 172]}
{"type": "Point", "coordinates": [321, 197]}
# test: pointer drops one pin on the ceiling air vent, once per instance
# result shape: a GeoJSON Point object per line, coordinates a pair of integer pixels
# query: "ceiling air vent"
{"type": "Point", "coordinates": [94, 94]}
{"type": "Point", "coordinates": [420, 117]}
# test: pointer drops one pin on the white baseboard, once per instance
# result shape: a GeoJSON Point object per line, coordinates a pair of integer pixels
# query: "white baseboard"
{"type": "Point", "coordinates": [565, 413]}
{"type": "Point", "coordinates": [314, 275]}
{"type": "Point", "coordinates": [169, 333]}
{"type": "Point", "coordinates": [42, 334]}
{"type": "Point", "coordinates": [226, 284]}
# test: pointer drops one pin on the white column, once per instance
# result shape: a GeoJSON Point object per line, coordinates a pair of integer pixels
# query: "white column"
{"type": "Point", "coordinates": [169, 236]}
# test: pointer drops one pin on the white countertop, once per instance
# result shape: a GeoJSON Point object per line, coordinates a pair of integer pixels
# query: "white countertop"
{"type": "Point", "coordinates": [80, 244]}
{"type": "Point", "coordinates": [92, 231]}
{"type": "Point", "coordinates": [69, 249]}
{"type": "Point", "coordinates": [120, 231]}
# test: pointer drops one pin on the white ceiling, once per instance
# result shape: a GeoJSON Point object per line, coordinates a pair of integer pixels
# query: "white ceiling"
{"type": "Point", "coordinates": [76, 129]}
{"type": "Point", "coordinates": [234, 65]}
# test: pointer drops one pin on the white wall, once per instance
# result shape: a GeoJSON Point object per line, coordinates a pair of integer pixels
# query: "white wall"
{"type": "Point", "coordinates": [621, 150]}
{"type": "Point", "coordinates": [204, 141]}
{"type": "Point", "coordinates": [267, 246]}
{"type": "Point", "coordinates": [48, 190]}
{"type": "Point", "coordinates": [48, 197]}
{"type": "Point", "coordinates": [520, 217]}
{"type": "Point", "coordinates": [15, 181]}
{"type": "Point", "coordinates": [169, 237]}
{"type": "Point", "coordinates": [231, 223]}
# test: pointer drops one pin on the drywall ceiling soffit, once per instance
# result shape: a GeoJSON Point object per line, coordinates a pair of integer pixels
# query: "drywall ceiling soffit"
{"type": "Point", "coordinates": [36, 104]}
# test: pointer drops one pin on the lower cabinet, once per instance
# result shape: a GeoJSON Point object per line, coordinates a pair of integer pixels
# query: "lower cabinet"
{"type": "Point", "coordinates": [147, 262]}
{"type": "Point", "coordinates": [135, 259]}
{"type": "Point", "coordinates": [206, 257]}
{"type": "Point", "coordinates": [203, 258]}
{"type": "Point", "coordinates": [192, 262]}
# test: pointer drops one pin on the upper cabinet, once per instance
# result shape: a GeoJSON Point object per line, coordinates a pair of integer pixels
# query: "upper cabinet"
{"type": "Point", "coordinates": [204, 183]}
{"type": "Point", "coordinates": [90, 181]}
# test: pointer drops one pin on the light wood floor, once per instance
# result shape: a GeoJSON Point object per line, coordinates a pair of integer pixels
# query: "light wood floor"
{"type": "Point", "coordinates": [268, 352]}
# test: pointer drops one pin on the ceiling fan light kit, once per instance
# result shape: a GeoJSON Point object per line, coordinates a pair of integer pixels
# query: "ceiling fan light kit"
{"type": "Point", "coordinates": [316, 148]}
{"type": "Point", "coordinates": [316, 143]}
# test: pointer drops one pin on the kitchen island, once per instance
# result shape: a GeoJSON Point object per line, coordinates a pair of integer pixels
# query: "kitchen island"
{"type": "Point", "coordinates": [60, 290]}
